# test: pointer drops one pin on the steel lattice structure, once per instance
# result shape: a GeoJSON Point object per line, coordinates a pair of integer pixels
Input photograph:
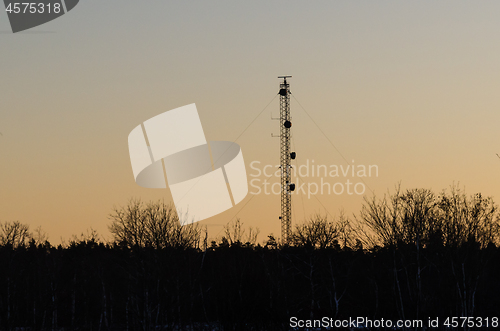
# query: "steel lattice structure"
{"type": "Point", "coordinates": [285, 159]}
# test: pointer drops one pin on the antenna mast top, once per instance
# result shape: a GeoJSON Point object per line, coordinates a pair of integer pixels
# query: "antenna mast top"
{"type": "Point", "coordinates": [284, 78]}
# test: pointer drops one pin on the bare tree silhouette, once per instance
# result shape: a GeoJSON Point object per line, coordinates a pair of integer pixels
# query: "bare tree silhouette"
{"type": "Point", "coordinates": [236, 235]}
{"type": "Point", "coordinates": [154, 224]}
{"type": "Point", "coordinates": [420, 216]}
{"type": "Point", "coordinates": [318, 232]}
{"type": "Point", "coordinates": [14, 234]}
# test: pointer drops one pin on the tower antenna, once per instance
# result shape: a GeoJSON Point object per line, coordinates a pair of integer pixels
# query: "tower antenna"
{"type": "Point", "coordinates": [285, 158]}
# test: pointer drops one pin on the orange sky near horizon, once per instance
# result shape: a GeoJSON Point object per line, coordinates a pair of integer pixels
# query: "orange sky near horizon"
{"type": "Point", "coordinates": [409, 87]}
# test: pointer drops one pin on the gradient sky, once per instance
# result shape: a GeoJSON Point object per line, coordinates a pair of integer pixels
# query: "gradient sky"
{"type": "Point", "coordinates": [412, 87]}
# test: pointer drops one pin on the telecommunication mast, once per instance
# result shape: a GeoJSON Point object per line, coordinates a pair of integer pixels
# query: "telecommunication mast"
{"type": "Point", "coordinates": [285, 159]}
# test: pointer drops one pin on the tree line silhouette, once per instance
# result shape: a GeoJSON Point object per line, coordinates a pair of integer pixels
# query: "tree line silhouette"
{"type": "Point", "coordinates": [411, 255]}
